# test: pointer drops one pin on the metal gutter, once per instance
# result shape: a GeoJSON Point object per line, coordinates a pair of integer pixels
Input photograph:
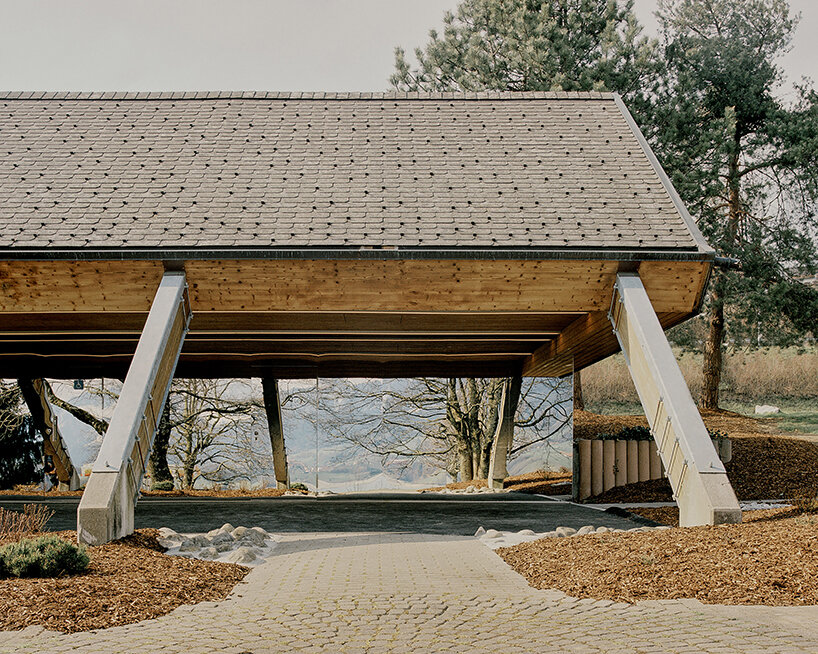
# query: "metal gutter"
{"type": "Point", "coordinates": [487, 254]}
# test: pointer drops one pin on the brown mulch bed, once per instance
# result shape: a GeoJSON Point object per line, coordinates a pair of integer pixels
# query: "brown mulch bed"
{"type": "Point", "coordinates": [541, 481]}
{"type": "Point", "coordinates": [127, 581]}
{"type": "Point", "coordinates": [765, 465]}
{"type": "Point", "coordinates": [771, 559]}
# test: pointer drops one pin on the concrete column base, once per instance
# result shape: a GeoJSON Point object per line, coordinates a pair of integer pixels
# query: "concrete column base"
{"type": "Point", "coordinates": [106, 511]}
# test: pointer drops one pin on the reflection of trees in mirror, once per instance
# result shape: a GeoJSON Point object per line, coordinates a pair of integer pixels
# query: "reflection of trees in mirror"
{"type": "Point", "coordinates": [450, 423]}
{"type": "Point", "coordinates": [20, 445]}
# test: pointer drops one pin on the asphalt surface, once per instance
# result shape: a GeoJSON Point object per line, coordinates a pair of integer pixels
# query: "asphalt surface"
{"type": "Point", "coordinates": [376, 512]}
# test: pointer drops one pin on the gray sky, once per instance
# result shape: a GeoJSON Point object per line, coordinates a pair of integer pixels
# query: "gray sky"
{"type": "Point", "coordinates": [292, 45]}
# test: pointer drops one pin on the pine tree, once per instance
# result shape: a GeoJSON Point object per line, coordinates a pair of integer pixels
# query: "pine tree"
{"type": "Point", "coordinates": [20, 445]}
{"type": "Point", "coordinates": [746, 164]}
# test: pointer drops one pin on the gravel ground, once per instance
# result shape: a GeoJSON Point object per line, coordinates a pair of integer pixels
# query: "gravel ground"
{"type": "Point", "coordinates": [127, 581]}
{"type": "Point", "coordinates": [771, 559]}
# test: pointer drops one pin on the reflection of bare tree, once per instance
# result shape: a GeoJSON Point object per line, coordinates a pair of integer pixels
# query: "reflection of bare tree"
{"type": "Point", "coordinates": [449, 422]}
{"type": "Point", "coordinates": [214, 426]}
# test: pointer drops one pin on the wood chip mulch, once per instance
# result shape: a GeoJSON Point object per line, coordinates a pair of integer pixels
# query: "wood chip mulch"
{"type": "Point", "coordinates": [127, 581]}
{"type": "Point", "coordinates": [771, 559]}
{"type": "Point", "coordinates": [545, 482]}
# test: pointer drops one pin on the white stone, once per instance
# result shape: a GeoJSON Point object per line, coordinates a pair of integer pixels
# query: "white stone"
{"type": "Point", "coordinates": [562, 532]}
{"type": "Point", "coordinates": [527, 532]}
{"type": "Point", "coordinates": [470, 489]}
{"type": "Point", "coordinates": [227, 527]}
{"type": "Point", "coordinates": [253, 537]}
{"type": "Point", "coordinates": [189, 545]}
{"type": "Point", "coordinates": [480, 531]}
{"type": "Point", "coordinates": [224, 546]}
{"type": "Point", "coordinates": [493, 533]}
{"type": "Point", "coordinates": [220, 537]}
{"type": "Point", "coordinates": [208, 553]}
{"type": "Point", "coordinates": [167, 532]}
{"type": "Point", "coordinates": [587, 529]}
{"type": "Point", "coordinates": [602, 530]}
{"type": "Point", "coordinates": [241, 555]}
{"type": "Point", "coordinates": [239, 532]}
{"type": "Point", "coordinates": [766, 409]}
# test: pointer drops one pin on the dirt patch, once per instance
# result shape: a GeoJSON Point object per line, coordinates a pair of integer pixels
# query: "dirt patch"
{"type": "Point", "coordinates": [127, 581]}
{"type": "Point", "coordinates": [542, 481]}
{"type": "Point", "coordinates": [770, 560]}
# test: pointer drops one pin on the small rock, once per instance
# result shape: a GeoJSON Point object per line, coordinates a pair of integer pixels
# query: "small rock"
{"type": "Point", "coordinates": [220, 537]}
{"type": "Point", "coordinates": [766, 409]}
{"type": "Point", "coordinates": [241, 555]}
{"type": "Point", "coordinates": [527, 532]}
{"type": "Point", "coordinates": [486, 489]}
{"type": "Point", "coordinates": [167, 532]}
{"type": "Point", "coordinates": [587, 529]}
{"type": "Point", "coordinates": [563, 532]}
{"type": "Point", "coordinates": [480, 532]}
{"type": "Point", "coordinates": [493, 533]}
{"type": "Point", "coordinates": [602, 530]}
{"type": "Point", "coordinates": [470, 489]}
{"type": "Point", "coordinates": [208, 553]}
{"type": "Point", "coordinates": [227, 527]}
{"type": "Point", "coordinates": [661, 528]}
{"type": "Point", "coordinates": [261, 532]}
{"type": "Point", "coordinates": [238, 532]}
{"type": "Point", "coordinates": [200, 540]}
{"type": "Point", "coordinates": [224, 546]}
{"type": "Point", "coordinates": [549, 534]}
{"type": "Point", "coordinates": [188, 545]}
{"type": "Point", "coordinates": [253, 537]}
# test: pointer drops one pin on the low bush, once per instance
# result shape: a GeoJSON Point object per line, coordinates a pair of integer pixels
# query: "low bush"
{"type": "Point", "coordinates": [298, 486]}
{"type": "Point", "coordinates": [162, 485]}
{"type": "Point", "coordinates": [45, 556]}
{"type": "Point", "coordinates": [628, 434]}
{"type": "Point", "coordinates": [31, 520]}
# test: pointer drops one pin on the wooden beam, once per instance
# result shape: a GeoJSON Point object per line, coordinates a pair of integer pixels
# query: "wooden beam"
{"type": "Point", "coordinates": [696, 473]}
{"type": "Point", "coordinates": [107, 506]}
{"type": "Point", "coordinates": [272, 407]}
{"type": "Point", "coordinates": [504, 434]}
{"type": "Point", "coordinates": [45, 420]}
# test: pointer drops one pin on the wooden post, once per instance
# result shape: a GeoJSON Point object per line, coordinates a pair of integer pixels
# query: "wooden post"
{"type": "Point", "coordinates": [596, 467]}
{"type": "Point", "coordinates": [608, 465]}
{"type": "Point", "coordinates": [106, 511]}
{"type": "Point", "coordinates": [621, 463]}
{"type": "Point", "coordinates": [699, 480]}
{"type": "Point", "coordinates": [584, 448]}
{"type": "Point", "coordinates": [504, 434]}
{"type": "Point", "coordinates": [45, 421]}
{"type": "Point", "coordinates": [272, 406]}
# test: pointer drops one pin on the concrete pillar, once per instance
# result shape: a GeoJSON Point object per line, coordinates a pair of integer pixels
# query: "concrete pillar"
{"type": "Point", "coordinates": [633, 461]}
{"type": "Point", "coordinates": [621, 463]}
{"type": "Point", "coordinates": [608, 464]}
{"type": "Point", "coordinates": [584, 447]}
{"type": "Point", "coordinates": [644, 460]}
{"type": "Point", "coordinates": [655, 462]}
{"type": "Point", "coordinates": [696, 473]}
{"type": "Point", "coordinates": [504, 434]}
{"type": "Point", "coordinates": [596, 467]}
{"type": "Point", "coordinates": [272, 406]}
{"type": "Point", "coordinates": [106, 511]}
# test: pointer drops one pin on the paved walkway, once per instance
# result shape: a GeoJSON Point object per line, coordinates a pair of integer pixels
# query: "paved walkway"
{"type": "Point", "coordinates": [396, 593]}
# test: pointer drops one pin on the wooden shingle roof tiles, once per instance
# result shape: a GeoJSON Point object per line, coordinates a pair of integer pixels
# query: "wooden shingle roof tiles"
{"type": "Point", "coordinates": [399, 171]}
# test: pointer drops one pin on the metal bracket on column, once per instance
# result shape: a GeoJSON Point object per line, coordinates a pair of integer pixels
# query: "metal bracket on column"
{"type": "Point", "coordinates": [692, 464]}
{"type": "Point", "coordinates": [106, 509]}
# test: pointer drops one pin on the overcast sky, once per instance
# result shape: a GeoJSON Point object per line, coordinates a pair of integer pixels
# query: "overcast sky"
{"type": "Point", "coordinates": [279, 45]}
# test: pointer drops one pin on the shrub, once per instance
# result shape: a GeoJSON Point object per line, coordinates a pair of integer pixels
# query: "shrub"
{"type": "Point", "coordinates": [628, 434]}
{"type": "Point", "coordinates": [30, 521]}
{"type": "Point", "coordinates": [166, 485]}
{"type": "Point", "coordinates": [298, 486]}
{"type": "Point", "coordinates": [46, 556]}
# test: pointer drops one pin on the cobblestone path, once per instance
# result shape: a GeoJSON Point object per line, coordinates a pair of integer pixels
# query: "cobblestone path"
{"type": "Point", "coordinates": [421, 593]}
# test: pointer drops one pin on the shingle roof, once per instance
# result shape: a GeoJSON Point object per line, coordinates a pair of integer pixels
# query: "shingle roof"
{"type": "Point", "coordinates": [268, 170]}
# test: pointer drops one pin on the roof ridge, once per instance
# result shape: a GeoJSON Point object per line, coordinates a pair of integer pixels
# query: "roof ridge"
{"type": "Point", "coordinates": [303, 95]}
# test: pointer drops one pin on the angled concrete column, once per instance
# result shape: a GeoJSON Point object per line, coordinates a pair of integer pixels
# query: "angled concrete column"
{"type": "Point", "coordinates": [272, 406]}
{"type": "Point", "coordinates": [697, 475]}
{"type": "Point", "coordinates": [504, 435]}
{"type": "Point", "coordinates": [106, 510]}
{"type": "Point", "coordinates": [45, 420]}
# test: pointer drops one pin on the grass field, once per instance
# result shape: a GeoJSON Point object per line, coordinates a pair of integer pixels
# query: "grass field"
{"type": "Point", "coordinates": [787, 379]}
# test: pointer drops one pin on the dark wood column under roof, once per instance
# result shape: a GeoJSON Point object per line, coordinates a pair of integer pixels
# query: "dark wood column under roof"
{"type": "Point", "coordinates": [334, 235]}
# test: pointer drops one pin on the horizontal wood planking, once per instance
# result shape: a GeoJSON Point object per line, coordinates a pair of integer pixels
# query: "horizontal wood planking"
{"type": "Point", "coordinates": [296, 322]}
{"type": "Point", "coordinates": [345, 285]}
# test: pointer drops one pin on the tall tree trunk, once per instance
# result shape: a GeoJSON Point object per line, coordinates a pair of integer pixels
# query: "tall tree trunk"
{"type": "Point", "coordinates": [464, 456]}
{"type": "Point", "coordinates": [579, 401]}
{"type": "Point", "coordinates": [712, 352]}
{"type": "Point", "coordinates": [158, 463]}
